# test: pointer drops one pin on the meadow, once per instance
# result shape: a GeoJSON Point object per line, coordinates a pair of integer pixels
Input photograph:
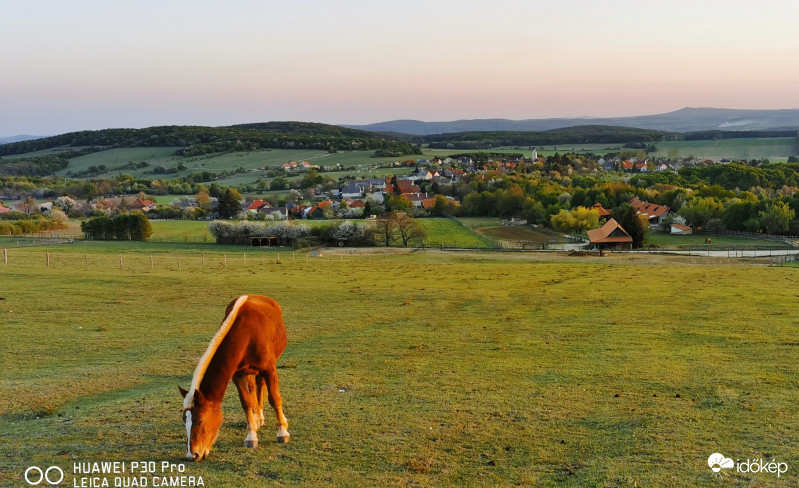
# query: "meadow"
{"type": "Point", "coordinates": [775, 148]}
{"type": "Point", "coordinates": [422, 368]}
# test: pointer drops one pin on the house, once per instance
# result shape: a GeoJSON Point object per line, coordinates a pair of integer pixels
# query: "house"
{"type": "Point", "coordinates": [356, 204]}
{"type": "Point", "coordinates": [680, 230]}
{"type": "Point", "coordinates": [351, 190]}
{"type": "Point", "coordinates": [280, 212]}
{"type": "Point", "coordinates": [143, 205]}
{"type": "Point", "coordinates": [627, 165]}
{"type": "Point", "coordinates": [663, 167]}
{"type": "Point", "coordinates": [610, 235]}
{"type": "Point", "coordinates": [641, 167]}
{"type": "Point", "coordinates": [256, 206]}
{"type": "Point", "coordinates": [655, 213]}
{"type": "Point", "coordinates": [603, 212]}
{"type": "Point", "coordinates": [315, 212]}
{"type": "Point", "coordinates": [4, 209]}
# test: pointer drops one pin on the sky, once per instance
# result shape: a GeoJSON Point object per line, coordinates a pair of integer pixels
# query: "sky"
{"type": "Point", "coordinates": [96, 64]}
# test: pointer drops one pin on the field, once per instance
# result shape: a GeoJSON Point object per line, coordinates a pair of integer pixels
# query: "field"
{"type": "Point", "coordinates": [718, 242]}
{"type": "Point", "coordinates": [117, 161]}
{"type": "Point", "coordinates": [776, 148]}
{"type": "Point", "coordinates": [421, 368]}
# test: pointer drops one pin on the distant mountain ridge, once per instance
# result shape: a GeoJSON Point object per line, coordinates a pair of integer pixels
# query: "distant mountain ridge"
{"type": "Point", "coordinates": [689, 119]}
{"type": "Point", "coordinates": [19, 138]}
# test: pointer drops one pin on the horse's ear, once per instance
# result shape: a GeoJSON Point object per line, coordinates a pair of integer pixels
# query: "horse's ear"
{"type": "Point", "coordinates": [183, 391]}
{"type": "Point", "coordinates": [198, 397]}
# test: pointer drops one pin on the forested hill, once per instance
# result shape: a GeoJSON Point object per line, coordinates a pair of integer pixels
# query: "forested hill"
{"type": "Point", "coordinates": [312, 129]}
{"type": "Point", "coordinates": [584, 134]}
{"type": "Point", "coordinates": [196, 140]}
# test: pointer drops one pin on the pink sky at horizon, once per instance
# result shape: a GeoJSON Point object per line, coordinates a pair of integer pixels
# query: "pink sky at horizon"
{"type": "Point", "coordinates": [138, 64]}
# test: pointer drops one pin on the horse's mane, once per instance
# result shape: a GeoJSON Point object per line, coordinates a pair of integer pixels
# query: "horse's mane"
{"type": "Point", "coordinates": [205, 360]}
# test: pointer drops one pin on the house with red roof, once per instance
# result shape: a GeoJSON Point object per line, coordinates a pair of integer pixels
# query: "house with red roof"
{"type": "Point", "coordinates": [680, 230]}
{"type": "Point", "coordinates": [603, 212]}
{"type": "Point", "coordinates": [257, 205]}
{"type": "Point", "coordinates": [143, 205]}
{"type": "Point", "coordinates": [654, 212]}
{"type": "Point", "coordinates": [610, 235]}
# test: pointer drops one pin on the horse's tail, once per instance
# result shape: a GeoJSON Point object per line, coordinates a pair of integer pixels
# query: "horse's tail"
{"type": "Point", "coordinates": [202, 366]}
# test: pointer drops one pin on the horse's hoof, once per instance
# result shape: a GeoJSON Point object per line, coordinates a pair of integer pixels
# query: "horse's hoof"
{"type": "Point", "coordinates": [283, 440]}
{"type": "Point", "coordinates": [251, 444]}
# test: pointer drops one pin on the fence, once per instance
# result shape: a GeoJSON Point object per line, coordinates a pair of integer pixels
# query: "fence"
{"type": "Point", "coordinates": [787, 259]}
{"type": "Point", "coordinates": [251, 261]}
{"type": "Point", "coordinates": [753, 235]}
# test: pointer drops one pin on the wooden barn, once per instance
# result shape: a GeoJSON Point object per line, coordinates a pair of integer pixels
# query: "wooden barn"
{"type": "Point", "coordinates": [610, 236]}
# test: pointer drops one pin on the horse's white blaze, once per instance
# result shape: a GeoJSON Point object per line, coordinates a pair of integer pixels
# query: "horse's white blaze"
{"type": "Point", "coordinates": [202, 366]}
{"type": "Point", "coordinates": [188, 435]}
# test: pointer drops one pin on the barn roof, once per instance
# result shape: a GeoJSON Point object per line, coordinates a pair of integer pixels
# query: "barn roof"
{"type": "Point", "coordinates": [611, 232]}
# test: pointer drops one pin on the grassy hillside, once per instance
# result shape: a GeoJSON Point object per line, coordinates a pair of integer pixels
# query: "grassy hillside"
{"type": "Point", "coordinates": [428, 368]}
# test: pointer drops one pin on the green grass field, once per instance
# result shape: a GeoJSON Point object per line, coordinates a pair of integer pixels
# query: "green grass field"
{"type": "Point", "coordinates": [422, 368]}
{"type": "Point", "coordinates": [693, 241]}
{"type": "Point", "coordinates": [776, 148]}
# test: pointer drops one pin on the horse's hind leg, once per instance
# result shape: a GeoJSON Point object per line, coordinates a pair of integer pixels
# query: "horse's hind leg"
{"type": "Point", "coordinates": [260, 393]}
{"type": "Point", "coordinates": [248, 394]}
{"type": "Point", "coordinates": [277, 403]}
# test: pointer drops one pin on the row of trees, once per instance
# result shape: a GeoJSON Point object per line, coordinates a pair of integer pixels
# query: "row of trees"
{"type": "Point", "coordinates": [392, 228]}
{"type": "Point", "coordinates": [132, 226]}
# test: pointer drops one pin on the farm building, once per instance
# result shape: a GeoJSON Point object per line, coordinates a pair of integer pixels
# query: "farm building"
{"type": "Point", "coordinates": [680, 230]}
{"type": "Point", "coordinates": [610, 235]}
{"type": "Point", "coordinates": [603, 212]}
{"type": "Point", "coordinates": [655, 213]}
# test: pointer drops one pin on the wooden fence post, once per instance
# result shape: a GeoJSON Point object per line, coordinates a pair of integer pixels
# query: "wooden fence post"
{"type": "Point", "coordinates": [224, 261]}
{"type": "Point", "coordinates": [120, 261]}
{"type": "Point", "coordinates": [151, 261]}
{"type": "Point", "coordinates": [86, 260]}
{"type": "Point", "coordinates": [48, 258]}
{"type": "Point", "coordinates": [5, 256]}
{"type": "Point", "coordinates": [203, 260]}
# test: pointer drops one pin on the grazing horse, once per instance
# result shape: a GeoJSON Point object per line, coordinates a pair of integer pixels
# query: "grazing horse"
{"type": "Point", "coordinates": [245, 350]}
{"type": "Point", "coordinates": [707, 241]}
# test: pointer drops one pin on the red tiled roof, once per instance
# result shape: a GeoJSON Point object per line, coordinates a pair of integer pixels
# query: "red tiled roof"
{"type": "Point", "coordinates": [648, 209]}
{"type": "Point", "coordinates": [603, 212]}
{"type": "Point", "coordinates": [256, 204]}
{"type": "Point", "coordinates": [612, 231]}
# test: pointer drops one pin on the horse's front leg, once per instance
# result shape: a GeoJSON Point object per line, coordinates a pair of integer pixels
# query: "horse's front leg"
{"type": "Point", "coordinates": [248, 394]}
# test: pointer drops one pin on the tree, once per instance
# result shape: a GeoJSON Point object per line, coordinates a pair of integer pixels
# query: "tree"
{"type": "Point", "coordinates": [577, 220]}
{"type": "Point", "coordinates": [400, 203]}
{"type": "Point", "coordinates": [279, 184]}
{"type": "Point", "coordinates": [386, 227]}
{"type": "Point", "coordinates": [776, 217]}
{"type": "Point", "coordinates": [311, 179]}
{"type": "Point", "coordinates": [634, 223]}
{"type": "Point", "coordinates": [698, 211]}
{"type": "Point", "coordinates": [204, 199]}
{"type": "Point", "coordinates": [409, 229]}
{"type": "Point", "coordinates": [229, 204]}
